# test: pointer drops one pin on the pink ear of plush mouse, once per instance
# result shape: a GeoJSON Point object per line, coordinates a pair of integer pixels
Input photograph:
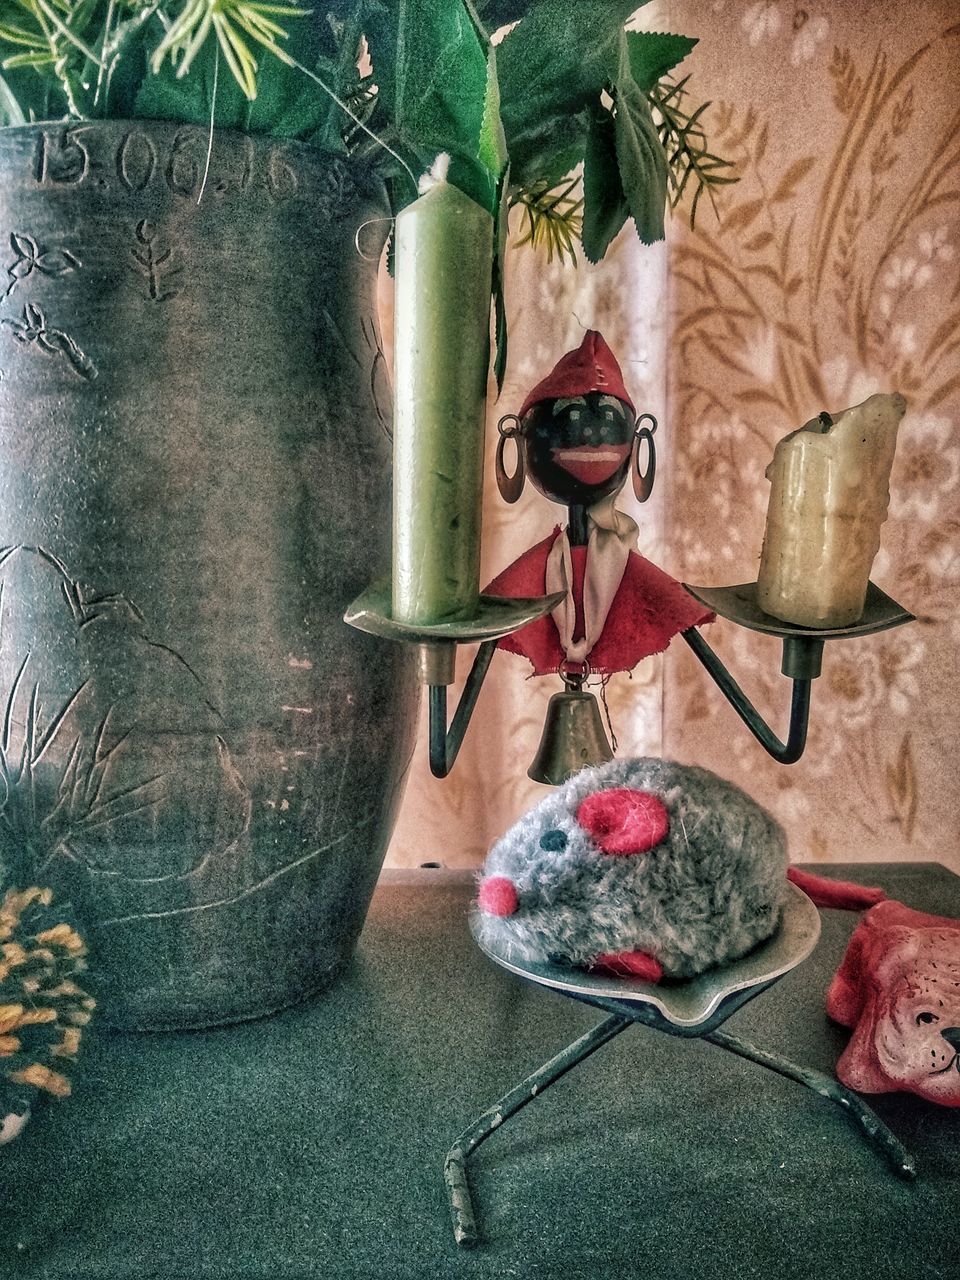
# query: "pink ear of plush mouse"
{"type": "Point", "coordinates": [898, 987]}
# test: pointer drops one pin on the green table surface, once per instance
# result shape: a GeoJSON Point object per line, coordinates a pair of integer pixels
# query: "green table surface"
{"type": "Point", "coordinates": [311, 1144]}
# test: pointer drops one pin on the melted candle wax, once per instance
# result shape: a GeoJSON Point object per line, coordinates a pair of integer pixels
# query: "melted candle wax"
{"type": "Point", "coordinates": [829, 492]}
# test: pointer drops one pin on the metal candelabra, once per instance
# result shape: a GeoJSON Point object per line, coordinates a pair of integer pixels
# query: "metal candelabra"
{"type": "Point", "coordinates": [497, 617]}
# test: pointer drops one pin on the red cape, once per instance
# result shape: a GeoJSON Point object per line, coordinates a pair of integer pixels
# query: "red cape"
{"type": "Point", "coordinates": [649, 609]}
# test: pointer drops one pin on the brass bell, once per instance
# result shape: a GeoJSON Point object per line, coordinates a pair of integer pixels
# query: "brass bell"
{"type": "Point", "coordinates": [573, 737]}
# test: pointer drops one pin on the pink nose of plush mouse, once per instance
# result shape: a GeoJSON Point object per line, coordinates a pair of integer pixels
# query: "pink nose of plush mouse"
{"type": "Point", "coordinates": [498, 896]}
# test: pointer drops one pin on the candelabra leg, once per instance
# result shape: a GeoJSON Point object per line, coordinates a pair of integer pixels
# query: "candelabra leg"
{"type": "Point", "coordinates": [445, 743]}
{"type": "Point", "coordinates": [895, 1154]}
{"type": "Point", "coordinates": [455, 1165]}
{"type": "Point", "coordinates": [801, 661]}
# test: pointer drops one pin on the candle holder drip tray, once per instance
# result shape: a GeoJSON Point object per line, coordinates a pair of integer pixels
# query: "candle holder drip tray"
{"type": "Point", "coordinates": [739, 605]}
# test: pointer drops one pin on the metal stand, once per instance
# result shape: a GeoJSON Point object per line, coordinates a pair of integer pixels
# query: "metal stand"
{"type": "Point", "coordinates": [455, 1165]}
{"type": "Point", "coordinates": [621, 1015]}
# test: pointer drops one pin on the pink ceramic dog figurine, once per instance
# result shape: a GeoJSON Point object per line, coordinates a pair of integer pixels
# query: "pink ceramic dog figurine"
{"type": "Point", "coordinates": [898, 987]}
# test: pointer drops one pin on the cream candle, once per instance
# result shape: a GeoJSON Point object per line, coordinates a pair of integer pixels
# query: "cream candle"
{"type": "Point", "coordinates": [444, 264]}
{"type": "Point", "coordinates": [828, 498]}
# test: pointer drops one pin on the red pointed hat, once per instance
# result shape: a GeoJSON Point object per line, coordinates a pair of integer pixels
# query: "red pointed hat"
{"type": "Point", "coordinates": [592, 367]}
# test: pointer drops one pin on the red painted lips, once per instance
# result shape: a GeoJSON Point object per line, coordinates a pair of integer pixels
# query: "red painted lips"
{"type": "Point", "coordinates": [591, 464]}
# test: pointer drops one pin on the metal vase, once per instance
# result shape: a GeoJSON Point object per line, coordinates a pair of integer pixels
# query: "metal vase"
{"type": "Point", "coordinates": [194, 483]}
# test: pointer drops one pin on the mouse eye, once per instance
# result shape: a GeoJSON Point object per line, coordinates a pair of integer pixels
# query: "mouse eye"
{"type": "Point", "coordinates": [553, 841]}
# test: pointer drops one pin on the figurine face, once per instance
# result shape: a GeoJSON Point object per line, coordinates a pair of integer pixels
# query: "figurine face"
{"type": "Point", "coordinates": [899, 1042]}
{"type": "Point", "coordinates": [578, 448]}
{"type": "Point", "coordinates": [898, 987]}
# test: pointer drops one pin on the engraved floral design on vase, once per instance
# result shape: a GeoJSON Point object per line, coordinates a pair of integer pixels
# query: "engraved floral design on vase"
{"type": "Point", "coordinates": [93, 798]}
{"type": "Point", "coordinates": [151, 260]}
{"type": "Point", "coordinates": [28, 256]}
{"type": "Point", "coordinates": [31, 329]}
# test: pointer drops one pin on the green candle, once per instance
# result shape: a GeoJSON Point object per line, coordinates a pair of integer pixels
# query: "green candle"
{"type": "Point", "coordinates": [444, 260]}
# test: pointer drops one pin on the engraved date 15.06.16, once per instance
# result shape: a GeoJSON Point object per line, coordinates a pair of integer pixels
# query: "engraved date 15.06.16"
{"type": "Point", "coordinates": [76, 155]}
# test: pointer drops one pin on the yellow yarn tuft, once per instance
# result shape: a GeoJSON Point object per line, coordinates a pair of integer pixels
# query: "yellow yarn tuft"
{"type": "Point", "coordinates": [15, 903]}
{"type": "Point", "coordinates": [10, 1015]}
{"type": "Point", "coordinates": [33, 1017]}
{"type": "Point", "coordinates": [65, 988]}
{"type": "Point", "coordinates": [69, 1045]}
{"type": "Point", "coordinates": [63, 935]}
{"type": "Point", "coordinates": [42, 1010]}
{"type": "Point", "coordinates": [42, 1077]}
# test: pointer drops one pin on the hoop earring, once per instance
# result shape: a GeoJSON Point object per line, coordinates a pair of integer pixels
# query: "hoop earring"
{"type": "Point", "coordinates": [510, 487]}
{"type": "Point", "coordinates": [643, 480]}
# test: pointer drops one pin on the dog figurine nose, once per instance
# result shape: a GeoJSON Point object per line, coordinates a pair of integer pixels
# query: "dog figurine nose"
{"type": "Point", "coordinates": [952, 1036]}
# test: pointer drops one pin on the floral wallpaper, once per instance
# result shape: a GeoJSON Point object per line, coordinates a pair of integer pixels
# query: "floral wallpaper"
{"type": "Point", "coordinates": [832, 271]}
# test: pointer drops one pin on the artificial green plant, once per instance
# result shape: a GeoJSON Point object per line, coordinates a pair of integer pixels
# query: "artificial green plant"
{"type": "Point", "coordinates": [394, 82]}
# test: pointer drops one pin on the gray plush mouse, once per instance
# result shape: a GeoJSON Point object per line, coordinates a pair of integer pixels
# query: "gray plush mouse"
{"type": "Point", "coordinates": [638, 867]}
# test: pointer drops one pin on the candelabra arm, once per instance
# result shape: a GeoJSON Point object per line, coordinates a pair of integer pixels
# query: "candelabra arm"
{"type": "Point", "coordinates": [436, 647]}
{"type": "Point", "coordinates": [445, 742]}
{"type": "Point", "coordinates": [801, 662]}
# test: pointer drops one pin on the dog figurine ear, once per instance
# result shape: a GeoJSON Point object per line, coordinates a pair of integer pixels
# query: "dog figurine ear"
{"type": "Point", "coordinates": [510, 487]}
{"type": "Point", "coordinates": [858, 1066]}
{"type": "Point", "coordinates": [643, 480]}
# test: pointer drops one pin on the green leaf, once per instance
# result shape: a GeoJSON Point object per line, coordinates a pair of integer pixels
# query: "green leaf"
{"type": "Point", "coordinates": [163, 97]}
{"type": "Point", "coordinates": [500, 334]}
{"type": "Point", "coordinates": [553, 68]}
{"type": "Point", "coordinates": [441, 76]}
{"type": "Point", "coordinates": [493, 143]}
{"type": "Point", "coordinates": [495, 14]}
{"type": "Point", "coordinates": [37, 93]}
{"type": "Point", "coordinates": [501, 232]}
{"type": "Point", "coordinates": [551, 153]}
{"type": "Point", "coordinates": [341, 75]}
{"type": "Point", "coordinates": [10, 109]}
{"type": "Point", "coordinates": [19, 60]}
{"type": "Point", "coordinates": [474, 178]}
{"type": "Point", "coordinates": [653, 53]}
{"type": "Point", "coordinates": [605, 207]}
{"type": "Point", "coordinates": [643, 166]}
{"type": "Point", "coordinates": [431, 69]}
{"type": "Point", "coordinates": [380, 30]}
{"type": "Point", "coordinates": [559, 59]}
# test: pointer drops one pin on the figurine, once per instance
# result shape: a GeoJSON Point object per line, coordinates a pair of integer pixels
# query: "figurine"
{"type": "Point", "coordinates": [643, 868]}
{"type": "Point", "coordinates": [578, 437]}
{"type": "Point", "coordinates": [898, 987]}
